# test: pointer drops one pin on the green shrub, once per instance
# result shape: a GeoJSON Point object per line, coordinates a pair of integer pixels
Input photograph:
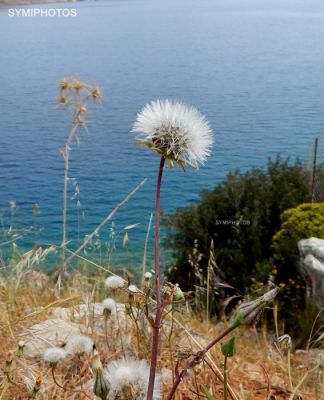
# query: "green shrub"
{"type": "Point", "coordinates": [301, 222]}
{"type": "Point", "coordinates": [252, 204]}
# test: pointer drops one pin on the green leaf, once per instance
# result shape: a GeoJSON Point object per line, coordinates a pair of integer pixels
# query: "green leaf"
{"type": "Point", "coordinates": [207, 393]}
{"type": "Point", "coordinates": [228, 347]}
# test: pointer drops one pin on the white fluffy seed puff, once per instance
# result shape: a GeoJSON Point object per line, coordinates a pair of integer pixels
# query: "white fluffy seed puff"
{"type": "Point", "coordinates": [176, 131]}
{"type": "Point", "coordinates": [109, 305]}
{"type": "Point", "coordinates": [129, 379]}
{"type": "Point", "coordinates": [79, 344]}
{"type": "Point", "coordinates": [54, 355]}
{"type": "Point", "coordinates": [114, 282]}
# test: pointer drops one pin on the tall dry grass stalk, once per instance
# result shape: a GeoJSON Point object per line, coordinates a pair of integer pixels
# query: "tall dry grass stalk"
{"type": "Point", "coordinates": [145, 246]}
{"type": "Point", "coordinates": [74, 95]}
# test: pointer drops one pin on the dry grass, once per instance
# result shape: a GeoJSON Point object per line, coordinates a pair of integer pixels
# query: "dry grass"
{"type": "Point", "coordinates": [257, 371]}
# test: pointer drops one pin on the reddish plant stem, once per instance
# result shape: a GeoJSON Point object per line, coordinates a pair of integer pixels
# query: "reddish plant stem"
{"type": "Point", "coordinates": [159, 303]}
{"type": "Point", "coordinates": [197, 360]}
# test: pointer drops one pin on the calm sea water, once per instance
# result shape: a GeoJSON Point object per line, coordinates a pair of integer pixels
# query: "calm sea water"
{"type": "Point", "coordinates": [255, 68]}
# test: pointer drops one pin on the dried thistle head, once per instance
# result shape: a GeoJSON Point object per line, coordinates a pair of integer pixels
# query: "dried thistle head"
{"type": "Point", "coordinates": [64, 84]}
{"type": "Point", "coordinates": [95, 93]}
{"type": "Point", "coordinates": [63, 100]}
{"type": "Point", "coordinates": [78, 85]}
{"type": "Point", "coordinates": [74, 94]}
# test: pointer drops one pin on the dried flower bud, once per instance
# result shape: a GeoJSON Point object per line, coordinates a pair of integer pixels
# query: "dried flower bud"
{"type": "Point", "coordinates": [64, 84]}
{"type": "Point", "coordinates": [132, 291]}
{"type": "Point", "coordinates": [96, 93]}
{"type": "Point", "coordinates": [9, 363]}
{"type": "Point", "coordinates": [249, 313]}
{"type": "Point", "coordinates": [101, 386]}
{"type": "Point", "coordinates": [78, 85]}
{"type": "Point", "coordinates": [21, 347]}
{"type": "Point", "coordinates": [63, 100]}
{"type": "Point", "coordinates": [38, 382]}
{"type": "Point", "coordinates": [147, 279]}
{"type": "Point", "coordinates": [82, 109]}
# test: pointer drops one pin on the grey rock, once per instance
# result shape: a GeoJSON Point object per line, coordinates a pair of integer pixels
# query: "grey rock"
{"type": "Point", "coordinates": [311, 266]}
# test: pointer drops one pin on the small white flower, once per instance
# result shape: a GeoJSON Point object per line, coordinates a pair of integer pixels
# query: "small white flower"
{"type": "Point", "coordinates": [133, 289]}
{"type": "Point", "coordinates": [132, 374]}
{"type": "Point", "coordinates": [176, 131]}
{"type": "Point", "coordinates": [54, 355]}
{"type": "Point", "coordinates": [21, 343]}
{"type": "Point", "coordinates": [148, 275]}
{"type": "Point", "coordinates": [110, 305]}
{"type": "Point", "coordinates": [114, 282]}
{"type": "Point", "coordinates": [79, 344]}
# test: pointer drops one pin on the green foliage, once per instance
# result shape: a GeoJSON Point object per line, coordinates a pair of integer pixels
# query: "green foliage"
{"type": "Point", "coordinates": [298, 223]}
{"type": "Point", "coordinates": [304, 221]}
{"type": "Point", "coordinates": [207, 393]}
{"type": "Point", "coordinates": [301, 222]}
{"type": "Point", "coordinates": [241, 215]}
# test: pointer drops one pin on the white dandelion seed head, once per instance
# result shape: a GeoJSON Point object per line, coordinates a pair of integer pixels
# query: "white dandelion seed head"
{"type": "Point", "coordinates": [79, 344]}
{"type": "Point", "coordinates": [21, 343]}
{"type": "Point", "coordinates": [114, 282]}
{"type": "Point", "coordinates": [125, 376]}
{"type": "Point", "coordinates": [54, 355]}
{"type": "Point", "coordinates": [178, 132]}
{"type": "Point", "coordinates": [148, 275]}
{"type": "Point", "coordinates": [109, 304]}
{"type": "Point", "coordinates": [133, 374]}
{"type": "Point", "coordinates": [133, 289]}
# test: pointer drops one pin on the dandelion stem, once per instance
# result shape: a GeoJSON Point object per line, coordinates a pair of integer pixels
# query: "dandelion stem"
{"type": "Point", "coordinates": [159, 309]}
{"type": "Point", "coordinates": [55, 380]}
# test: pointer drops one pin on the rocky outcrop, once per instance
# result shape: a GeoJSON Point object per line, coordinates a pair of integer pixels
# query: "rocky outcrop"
{"type": "Point", "coordinates": [312, 268]}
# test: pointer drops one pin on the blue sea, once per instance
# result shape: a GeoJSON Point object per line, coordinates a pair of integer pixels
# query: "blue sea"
{"type": "Point", "coordinates": [255, 68]}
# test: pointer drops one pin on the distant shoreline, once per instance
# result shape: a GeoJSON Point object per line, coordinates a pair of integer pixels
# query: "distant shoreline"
{"type": "Point", "coordinates": [32, 2]}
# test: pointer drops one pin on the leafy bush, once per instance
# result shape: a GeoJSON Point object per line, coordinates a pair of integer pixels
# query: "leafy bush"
{"type": "Point", "coordinates": [304, 221]}
{"type": "Point", "coordinates": [241, 215]}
